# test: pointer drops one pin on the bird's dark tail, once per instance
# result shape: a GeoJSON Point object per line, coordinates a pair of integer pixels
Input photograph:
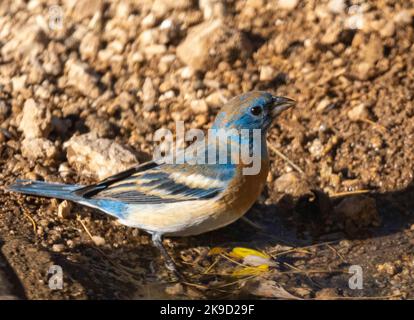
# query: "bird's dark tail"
{"type": "Point", "coordinates": [45, 189]}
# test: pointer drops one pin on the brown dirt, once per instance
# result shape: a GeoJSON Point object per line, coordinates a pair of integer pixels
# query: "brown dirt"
{"type": "Point", "coordinates": [353, 129]}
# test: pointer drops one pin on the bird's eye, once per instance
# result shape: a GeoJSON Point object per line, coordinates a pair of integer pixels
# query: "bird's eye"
{"type": "Point", "coordinates": [256, 110]}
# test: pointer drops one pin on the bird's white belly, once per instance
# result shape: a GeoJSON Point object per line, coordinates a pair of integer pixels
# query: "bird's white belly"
{"type": "Point", "coordinates": [182, 218]}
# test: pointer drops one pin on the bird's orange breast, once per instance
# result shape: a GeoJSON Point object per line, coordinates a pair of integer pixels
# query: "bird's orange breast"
{"type": "Point", "coordinates": [244, 190]}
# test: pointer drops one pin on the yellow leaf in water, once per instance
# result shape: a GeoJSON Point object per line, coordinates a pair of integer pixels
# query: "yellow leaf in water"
{"type": "Point", "coordinates": [241, 253]}
{"type": "Point", "coordinates": [250, 271]}
{"type": "Point", "coordinates": [216, 250]}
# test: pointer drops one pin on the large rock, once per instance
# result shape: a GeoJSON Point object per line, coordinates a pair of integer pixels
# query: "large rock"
{"type": "Point", "coordinates": [35, 121]}
{"type": "Point", "coordinates": [98, 157]}
{"type": "Point", "coordinates": [38, 148]}
{"type": "Point", "coordinates": [210, 42]}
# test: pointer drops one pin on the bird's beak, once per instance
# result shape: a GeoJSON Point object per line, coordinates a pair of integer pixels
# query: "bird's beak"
{"type": "Point", "coordinates": [281, 104]}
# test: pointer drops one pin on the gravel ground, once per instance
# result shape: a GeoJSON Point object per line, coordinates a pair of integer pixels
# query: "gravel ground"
{"type": "Point", "coordinates": [84, 85]}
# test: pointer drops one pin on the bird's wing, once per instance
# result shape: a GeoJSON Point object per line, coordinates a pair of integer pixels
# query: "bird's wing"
{"type": "Point", "coordinates": [164, 183]}
{"type": "Point", "coordinates": [91, 190]}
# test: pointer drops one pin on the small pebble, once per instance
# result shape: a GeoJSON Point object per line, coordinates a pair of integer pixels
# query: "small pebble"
{"type": "Point", "coordinates": [64, 210]}
{"type": "Point", "coordinates": [58, 247]}
{"type": "Point", "coordinates": [267, 73]}
{"type": "Point", "coordinates": [99, 241]}
{"type": "Point", "coordinates": [175, 289]}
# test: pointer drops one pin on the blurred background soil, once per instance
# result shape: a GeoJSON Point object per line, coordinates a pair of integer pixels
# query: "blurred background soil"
{"type": "Point", "coordinates": [84, 85]}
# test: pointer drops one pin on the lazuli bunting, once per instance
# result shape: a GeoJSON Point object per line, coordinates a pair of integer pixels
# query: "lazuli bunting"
{"type": "Point", "coordinates": [182, 199]}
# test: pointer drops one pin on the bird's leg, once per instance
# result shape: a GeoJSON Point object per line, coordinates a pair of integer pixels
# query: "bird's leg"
{"type": "Point", "coordinates": [169, 262]}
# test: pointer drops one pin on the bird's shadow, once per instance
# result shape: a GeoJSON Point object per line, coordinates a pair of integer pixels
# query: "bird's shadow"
{"type": "Point", "coordinates": [278, 223]}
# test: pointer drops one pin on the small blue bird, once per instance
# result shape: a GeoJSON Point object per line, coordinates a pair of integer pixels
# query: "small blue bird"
{"type": "Point", "coordinates": [183, 199]}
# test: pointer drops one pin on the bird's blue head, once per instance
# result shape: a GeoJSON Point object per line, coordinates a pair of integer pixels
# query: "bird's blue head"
{"type": "Point", "coordinates": [252, 110]}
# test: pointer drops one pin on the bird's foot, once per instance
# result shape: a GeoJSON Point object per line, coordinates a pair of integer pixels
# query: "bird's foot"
{"type": "Point", "coordinates": [169, 262]}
